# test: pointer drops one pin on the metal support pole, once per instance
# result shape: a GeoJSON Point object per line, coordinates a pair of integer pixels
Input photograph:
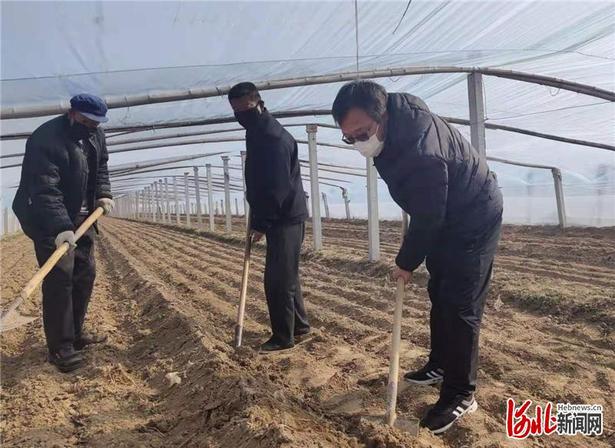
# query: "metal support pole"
{"type": "Point", "coordinates": [158, 191]}
{"type": "Point", "coordinates": [324, 200]}
{"type": "Point", "coordinates": [143, 205]}
{"type": "Point", "coordinates": [210, 198]}
{"type": "Point", "coordinates": [187, 197]}
{"type": "Point", "coordinates": [346, 202]}
{"type": "Point", "coordinates": [246, 207]}
{"type": "Point", "coordinates": [154, 197]}
{"type": "Point", "coordinates": [144, 201]}
{"type": "Point", "coordinates": [167, 201]}
{"type": "Point", "coordinates": [227, 193]}
{"type": "Point", "coordinates": [11, 225]}
{"type": "Point", "coordinates": [150, 209]}
{"type": "Point", "coordinates": [176, 199]}
{"type": "Point", "coordinates": [161, 200]}
{"type": "Point", "coordinates": [373, 226]}
{"type": "Point", "coordinates": [476, 101]}
{"type": "Point", "coordinates": [5, 221]}
{"type": "Point", "coordinates": [199, 213]}
{"type": "Point", "coordinates": [137, 195]}
{"type": "Point", "coordinates": [314, 188]}
{"type": "Point", "coordinates": [236, 207]}
{"type": "Point", "coordinates": [204, 206]}
{"type": "Point", "coordinates": [559, 196]}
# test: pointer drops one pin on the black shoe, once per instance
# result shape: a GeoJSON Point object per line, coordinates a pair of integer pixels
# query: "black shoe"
{"type": "Point", "coordinates": [302, 335]}
{"type": "Point", "coordinates": [89, 339]}
{"type": "Point", "coordinates": [66, 360]}
{"type": "Point", "coordinates": [446, 412]}
{"type": "Point", "coordinates": [427, 375]}
{"type": "Point", "coordinates": [273, 345]}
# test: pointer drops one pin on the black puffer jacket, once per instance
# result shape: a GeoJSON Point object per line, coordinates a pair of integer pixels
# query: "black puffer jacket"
{"type": "Point", "coordinates": [274, 188]}
{"type": "Point", "coordinates": [437, 177]}
{"type": "Point", "coordinates": [56, 178]}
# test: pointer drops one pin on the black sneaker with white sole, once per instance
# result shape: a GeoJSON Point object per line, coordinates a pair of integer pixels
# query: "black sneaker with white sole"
{"type": "Point", "coordinates": [427, 375]}
{"type": "Point", "coordinates": [447, 411]}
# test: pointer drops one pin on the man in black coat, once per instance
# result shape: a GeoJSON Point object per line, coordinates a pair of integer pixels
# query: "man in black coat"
{"type": "Point", "coordinates": [455, 206]}
{"type": "Point", "coordinates": [64, 178]}
{"type": "Point", "coordinates": [277, 209]}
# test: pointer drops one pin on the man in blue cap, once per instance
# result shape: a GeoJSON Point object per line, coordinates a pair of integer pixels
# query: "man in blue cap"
{"type": "Point", "coordinates": [64, 178]}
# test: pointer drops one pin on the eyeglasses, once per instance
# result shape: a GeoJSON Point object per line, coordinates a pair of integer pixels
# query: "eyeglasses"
{"type": "Point", "coordinates": [359, 138]}
{"type": "Point", "coordinates": [363, 137]}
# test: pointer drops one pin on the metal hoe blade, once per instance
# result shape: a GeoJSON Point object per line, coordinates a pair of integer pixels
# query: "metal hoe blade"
{"type": "Point", "coordinates": [12, 319]}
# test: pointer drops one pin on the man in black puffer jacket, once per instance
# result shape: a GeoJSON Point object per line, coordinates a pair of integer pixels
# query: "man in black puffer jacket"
{"type": "Point", "coordinates": [277, 209]}
{"type": "Point", "coordinates": [64, 178]}
{"type": "Point", "coordinates": [455, 207]}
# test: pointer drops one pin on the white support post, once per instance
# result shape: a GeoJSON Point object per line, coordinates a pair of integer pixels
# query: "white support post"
{"type": "Point", "coordinates": [210, 199]}
{"type": "Point", "coordinates": [204, 203]}
{"type": "Point", "coordinates": [236, 207]}
{"type": "Point", "coordinates": [134, 202]}
{"type": "Point", "coordinates": [326, 203]}
{"type": "Point", "coordinates": [559, 196]}
{"type": "Point", "coordinates": [246, 207]}
{"type": "Point", "coordinates": [144, 201]}
{"type": "Point", "coordinates": [12, 220]}
{"type": "Point", "coordinates": [176, 200]}
{"type": "Point", "coordinates": [143, 206]}
{"type": "Point", "coordinates": [167, 201]}
{"type": "Point", "coordinates": [157, 201]}
{"type": "Point", "coordinates": [149, 203]}
{"type": "Point", "coordinates": [314, 188]}
{"type": "Point", "coordinates": [346, 202]}
{"type": "Point", "coordinates": [197, 189]}
{"type": "Point", "coordinates": [187, 197]}
{"type": "Point", "coordinates": [476, 101]}
{"type": "Point", "coordinates": [137, 203]}
{"type": "Point", "coordinates": [5, 221]}
{"type": "Point", "coordinates": [227, 194]}
{"type": "Point", "coordinates": [373, 226]}
{"type": "Point", "coordinates": [161, 200]}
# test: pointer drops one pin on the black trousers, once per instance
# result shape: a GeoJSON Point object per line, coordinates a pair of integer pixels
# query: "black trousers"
{"type": "Point", "coordinates": [460, 272]}
{"type": "Point", "coordinates": [282, 284]}
{"type": "Point", "coordinates": [66, 290]}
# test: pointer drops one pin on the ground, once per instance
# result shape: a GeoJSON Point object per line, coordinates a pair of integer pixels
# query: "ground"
{"type": "Point", "coordinates": [167, 298]}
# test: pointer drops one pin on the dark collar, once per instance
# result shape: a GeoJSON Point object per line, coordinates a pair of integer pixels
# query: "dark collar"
{"type": "Point", "coordinates": [268, 126]}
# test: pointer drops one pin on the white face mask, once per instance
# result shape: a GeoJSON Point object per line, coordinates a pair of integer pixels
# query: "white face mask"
{"type": "Point", "coordinates": [371, 147]}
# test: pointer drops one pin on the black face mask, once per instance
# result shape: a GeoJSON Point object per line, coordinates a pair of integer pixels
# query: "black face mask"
{"type": "Point", "coordinates": [249, 118]}
{"type": "Point", "coordinates": [80, 131]}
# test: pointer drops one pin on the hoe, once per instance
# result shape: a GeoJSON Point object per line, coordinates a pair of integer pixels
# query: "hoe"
{"type": "Point", "coordinates": [11, 318]}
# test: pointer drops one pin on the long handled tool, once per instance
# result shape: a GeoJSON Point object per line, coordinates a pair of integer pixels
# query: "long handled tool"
{"type": "Point", "coordinates": [244, 286]}
{"type": "Point", "coordinates": [11, 318]}
{"type": "Point", "coordinates": [391, 415]}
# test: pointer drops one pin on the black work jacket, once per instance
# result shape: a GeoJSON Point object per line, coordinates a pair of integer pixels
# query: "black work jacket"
{"type": "Point", "coordinates": [274, 188]}
{"type": "Point", "coordinates": [437, 177]}
{"type": "Point", "coordinates": [56, 178]}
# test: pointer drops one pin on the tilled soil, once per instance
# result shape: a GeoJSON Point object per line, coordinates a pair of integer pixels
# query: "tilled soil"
{"type": "Point", "coordinates": [167, 297]}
